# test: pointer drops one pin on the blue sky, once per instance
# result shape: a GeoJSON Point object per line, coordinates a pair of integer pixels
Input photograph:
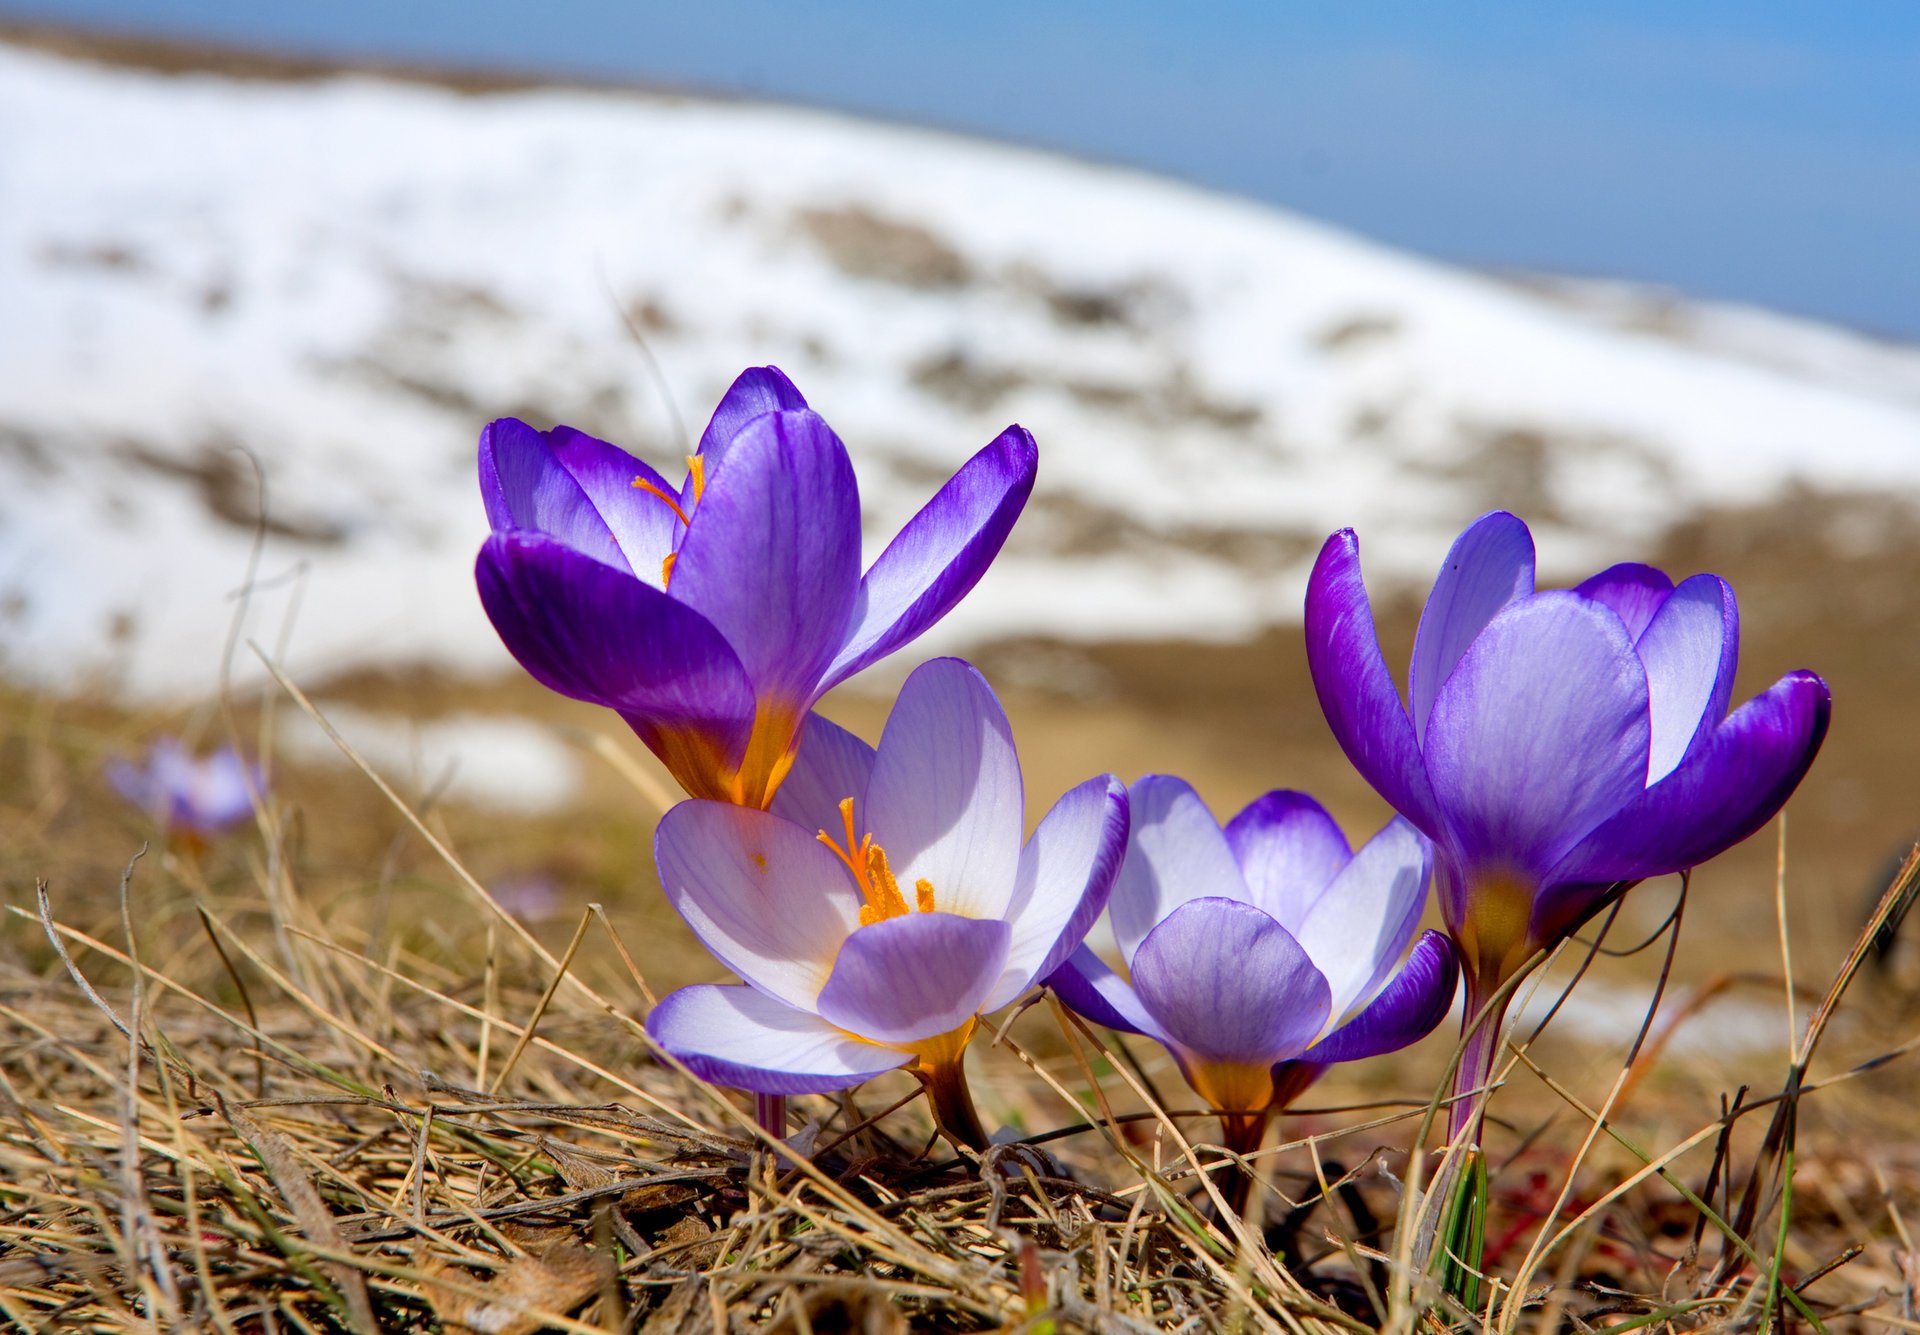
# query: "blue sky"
{"type": "Point", "coordinates": [1760, 151]}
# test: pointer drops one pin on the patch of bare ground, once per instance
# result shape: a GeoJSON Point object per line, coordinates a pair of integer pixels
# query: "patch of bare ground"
{"type": "Point", "coordinates": [863, 243]}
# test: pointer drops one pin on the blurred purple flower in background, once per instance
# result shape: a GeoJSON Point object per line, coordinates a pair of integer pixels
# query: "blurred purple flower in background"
{"type": "Point", "coordinates": [1557, 747]}
{"type": "Point", "coordinates": [714, 614]}
{"type": "Point", "coordinates": [189, 796]}
{"type": "Point", "coordinates": [884, 903]}
{"type": "Point", "coordinates": [1261, 953]}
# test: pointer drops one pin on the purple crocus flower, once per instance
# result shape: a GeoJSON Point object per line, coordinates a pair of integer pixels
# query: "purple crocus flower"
{"type": "Point", "coordinates": [713, 614]}
{"type": "Point", "coordinates": [1263, 952]}
{"type": "Point", "coordinates": [884, 904]}
{"type": "Point", "coordinates": [190, 797]}
{"type": "Point", "coordinates": [1557, 747]}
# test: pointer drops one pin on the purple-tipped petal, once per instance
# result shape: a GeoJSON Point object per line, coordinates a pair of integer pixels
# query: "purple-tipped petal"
{"type": "Point", "coordinates": [1066, 873]}
{"type": "Point", "coordinates": [1730, 785]}
{"type": "Point", "coordinates": [831, 765]}
{"type": "Point", "coordinates": [743, 1039]}
{"type": "Point", "coordinates": [222, 789]}
{"type": "Point", "coordinates": [644, 526]}
{"type": "Point", "coordinates": [592, 632]}
{"type": "Point", "coordinates": [1229, 984]}
{"type": "Point", "coordinates": [1690, 649]}
{"type": "Point", "coordinates": [760, 892]}
{"type": "Point", "coordinates": [1489, 566]}
{"type": "Point", "coordinates": [945, 799]}
{"type": "Point", "coordinates": [1175, 853]}
{"type": "Point", "coordinates": [772, 555]}
{"type": "Point", "coordinates": [941, 553]}
{"type": "Point", "coordinates": [1539, 735]}
{"type": "Point", "coordinates": [1356, 691]}
{"type": "Point", "coordinates": [525, 486]}
{"type": "Point", "coordinates": [1361, 925]}
{"type": "Point", "coordinates": [914, 977]}
{"type": "Point", "coordinates": [1634, 592]}
{"type": "Point", "coordinates": [1289, 850]}
{"type": "Point", "coordinates": [1092, 990]}
{"type": "Point", "coordinates": [756, 391]}
{"type": "Point", "coordinates": [1408, 1009]}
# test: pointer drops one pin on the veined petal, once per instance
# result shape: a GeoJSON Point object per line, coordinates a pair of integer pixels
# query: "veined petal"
{"type": "Point", "coordinates": [1634, 592]}
{"type": "Point", "coordinates": [945, 799]}
{"type": "Point", "coordinates": [772, 555]}
{"type": "Point", "coordinates": [761, 893]}
{"type": "Point", "coordinates": [1289, 850]}
{"type": "Point", "coordinates": [1356, 691]}
{"type": "Point", "coordinates": [1091, 989]}
{"type": "Point", "coordinates": [743, 1039]}
{"type": "Point", "coordinates": [1489, 566]}
{"type": "Point", "coordinates": [941, 553]}
{"type": "Point", "coordinates": [756, 391]}
{"type": "Point", "coordinates": [1690, 650]}
{"type": "Point", "coordinates": [1175, 853]}
{"type": "Point", "coordinates": [1361, 925]}
{"type": "Point", "coordinates": [643, 526]}
{"type": "Point", "coordinates": [1066, 872]}
{"type": "Point", "coordinates": [1539, 735]}
{"type": "Point", "coordinates": [1229, 984]}
{"type": "Point", "coordinates": [831, 765]}
{"type": "Point", "coordinates": [595, 633]}
{"type": "Point", "coordinates": [1730, 785]}
{"type": "Point", "coordinates": [525, 486]}
{"type": "Point", "coordinates": [914, 977]}
{"type": "Point", "coordinates": [1408, 1009]}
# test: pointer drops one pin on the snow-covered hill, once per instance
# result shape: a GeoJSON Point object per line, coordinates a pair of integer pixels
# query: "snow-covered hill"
{"type": "Point", "coordinates": [348, 277]}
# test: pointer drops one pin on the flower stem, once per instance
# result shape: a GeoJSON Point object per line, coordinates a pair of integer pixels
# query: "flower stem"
{"type": "Point", "coordinates": [770, 1111]}
{"type": "Point", "coordinates": [1482, 1033]}
{"type": "Point", "coordinates": [953, 1110]}
{"type": "Point", "coordinates": [1241, 1133]}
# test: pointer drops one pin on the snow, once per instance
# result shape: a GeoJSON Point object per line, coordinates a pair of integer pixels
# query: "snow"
{"type": "Point", "coordinates": [348, 277]}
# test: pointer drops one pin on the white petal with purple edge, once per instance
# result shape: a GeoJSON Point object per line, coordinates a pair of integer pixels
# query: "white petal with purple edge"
{"type": "Point", "coordinates": [1489, 566]}
{"type": "Point", "coordinates": [1090, 988]}
{"type": "Point", "coordinates": [914, 977]}
{"type": "Point", "coordinates": [760, 892]}
{"type": "Point", "coordinates": [743, 1039]}
{"type": "Point", "coordinates": [1360, 927]}
{"type": "Point", "coordinates": [945, 799]}
{"type": "Point", "coordinates": [831, 765]}
{"type": "Point", "coordinates": [1634, 592]}
{"type": "Point", "coordinates": [1690, 650]}
{"type": "Point", "coordinates": [1066, 872]}
{"type": "Point", "coordinates": [1175, 852]}
{"type": "Point", "coordinates": [1407, 1009]}
{"type": "Point", "coordinates": [1289, 850]}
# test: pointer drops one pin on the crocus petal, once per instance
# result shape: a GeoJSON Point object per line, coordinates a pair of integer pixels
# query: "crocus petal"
{"type": "Point", "coordinates": [1634, 592]}
{"type": "Point", "coordinates": [1489, 566]}
{"type": "Point", "coordinates": [1356, 691]}
{"type": "Point", "coordinates": [524, 486]}
{"type": "Point", "coordinates": [1539, 735]}
{"type": "Point", "coordinates": [1229, 984]}
{"type": "Point", "coordinates": [597, 634]}
{"type": "Point", "coordinates": [760, 892]}
{"type": "Point", "coordinates": [1690, 649]}
{"type": "Point", "coordinates": [1362, 924]}
{"type": "Point", "coordinates": [914, 977]}
{"type": "Point", "coordinates": [941, 553]}
{"type": "Point", "coordinates": [1730, 785]}
{"type": "Point", "coordinates": [643, 525]}
{"type": "Point", "coordinates": [1090, 988]}
{"type": "Point", "coordinates": [1407, 1009]}
{"type": "Point", "coordinates": [223, 789]}
{"type": "Point", "coordinates": [756, 391]}
{"type": "Point", "coordinates": [1175, 853]}
{"type": "Point", "coordinates": [945, 799]}
{"type": "Point", "coordinates": [772, 555]}
{"type": "Point", "coordinates": [132, 782]}
{"type": "Point", "coordinates": [743, 1039]}
{"type": "Point", "coordinates": [1289, 850]}
{"type": "Point", "coordinates": [1066, 873]}
{"type": "Point", "coordinates": [832, 764]}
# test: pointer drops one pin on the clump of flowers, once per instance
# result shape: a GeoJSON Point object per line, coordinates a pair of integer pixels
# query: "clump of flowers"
{"type": "Point", "coordinates": [884, 904]}
{"type": "Point", "coordinates": [1558, 747]}
{"type": "Point", "coordinates": [193, 798]}
{"type": "Point", "coordinates": [713, 614]}
{"type": "Point", "coordinates": [1263, 952]}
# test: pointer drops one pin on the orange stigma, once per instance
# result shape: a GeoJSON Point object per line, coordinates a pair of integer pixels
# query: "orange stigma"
{"type": "Point", "coordinates": [697, 472]}
{"type": "Point", "coordinates": [868, 863]}
{"type": "Point", "coordinates": [654, 488]}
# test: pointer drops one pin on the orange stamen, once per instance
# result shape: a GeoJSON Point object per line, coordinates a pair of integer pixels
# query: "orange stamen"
{"type": "Point", "coordinates": [867, 861]}
{"type": "Point", "coordinates": [923, 895]}
{"type": "Point", "coordinates": [666, 569]}
{"type": "Point", "coordinates": [648, 485]}
{"type": "Point", "coordinates": [697, 469]}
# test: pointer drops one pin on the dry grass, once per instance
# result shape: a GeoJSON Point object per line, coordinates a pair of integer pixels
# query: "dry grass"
{"type": "Point", "coordinates": [317, 1079]}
